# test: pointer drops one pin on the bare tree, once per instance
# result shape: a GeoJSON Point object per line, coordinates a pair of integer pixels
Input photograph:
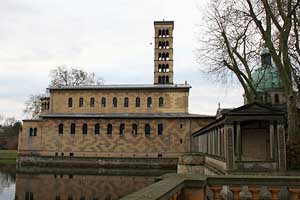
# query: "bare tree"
{"type": "Point", "coordinates": [235, 30]}
{"type": "Point", "coordinates": [63, 76]}
{"type": "Point", "coordinates": [230, 45]}
{"type": "Point", "coordinates": [33, 106]}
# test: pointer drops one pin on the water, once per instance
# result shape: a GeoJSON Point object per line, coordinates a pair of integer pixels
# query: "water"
{"type": "Point", "coordinates": [69, 186]}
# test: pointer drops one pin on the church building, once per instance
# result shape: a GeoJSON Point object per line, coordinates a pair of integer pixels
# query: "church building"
{"type": "Point", "coordinates": [117, 121]}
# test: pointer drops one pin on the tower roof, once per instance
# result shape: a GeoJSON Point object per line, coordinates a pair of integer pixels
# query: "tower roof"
{"type": "Point", "coordinates": [267, 79]}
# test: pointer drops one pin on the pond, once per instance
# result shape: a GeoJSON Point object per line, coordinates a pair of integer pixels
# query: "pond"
{"type": "Point", "coordinates": [69, 185]}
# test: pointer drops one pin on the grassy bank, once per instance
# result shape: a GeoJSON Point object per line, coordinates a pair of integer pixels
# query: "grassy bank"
{"type": "Point", "coordinates": [8, 156]}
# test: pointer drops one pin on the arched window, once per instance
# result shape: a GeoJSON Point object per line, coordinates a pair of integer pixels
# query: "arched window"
{"type": "Point", "coordinates": [161, 102]}
{"type": "Point", "coordinates": [159, 32]}
{"type": "Point", "coordinates": [276, 98]}
{"type": "Point", "coordinates": [35, 132]}
{"type": "Point", "coordinates": [72, 128]}
{"type": "Point", "coordinates": [103, 102]}
{"type": "Point", "coordinates": [163, 33]}
{"type": "Point", "coordinates": [163, 56]}
{"type": "Point", "coordinates": [147, 129]}
{"type": "Point", "coordinates": [159, 56]}
{"type": "Point", "coordinates": [84, 129]}
{"type": "Point", "coordinates": [163, 79]}
{"type": "Point", "coordinates": [167, 56]}
{"type": "Point", "coordinates": [137, 102]}
{"type": "Point", "coordinates": [122, 129]}
{"type": "Point", "coordinates": [115, 102]}
{"type": "Point", "coordinates": [126, 102]}
{"type": "Point", "coordinates": [159, 79]}
{"type": "Point", "coordinates": [159, 68]}
{"type": "Point", "coordinates": [48, 106]}
{"type": "Point", "coordinates": [167, 79]}
{"type": "Point", "coordinates": [70, 102]}
{"type": "Point", "coordinates": [134, 129]}
{"type": "Point", "coordinates": [160, 129]}
{"type": "Point", "coordinates": [92, 102]}
{"type": "Point", "coordinates": [159, 44]}
{"type": "Point", "coordinates": [97, 129]}
{"type": "Point", "coordinates": [60, 129]}
{"type": "Point", "coordinates": [163, 68]}
{"type": "Point", "coordinates": [109, 129]}
{"type": "Point", "coordinates": [31, 132]}
{"type": "Point", "coordinates": [167, 44]}
{"type": "Point", "coordinates": [80, 102]}
{"type": "Point", "coordinates": [163, 44]}
{"type": "Point", "coordinates": [149, 102]}
{"type": "Point", "coordinates": [167, 67]}
{"type": "Point", "coordinates": [167, 32]}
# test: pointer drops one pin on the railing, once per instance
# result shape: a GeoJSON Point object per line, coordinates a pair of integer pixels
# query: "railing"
{"type": "Point", "coordinates": [197, 187]}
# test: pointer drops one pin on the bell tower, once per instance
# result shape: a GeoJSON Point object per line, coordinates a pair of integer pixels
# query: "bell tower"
{"type": "Point", "coordinates": [163, 52]}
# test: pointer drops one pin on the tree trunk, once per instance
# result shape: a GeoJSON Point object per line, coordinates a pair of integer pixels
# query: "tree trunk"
{"type": "Point", "coordinates": [292, 111]}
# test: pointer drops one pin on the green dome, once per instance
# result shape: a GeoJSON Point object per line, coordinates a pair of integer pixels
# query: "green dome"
{"type": "Point", "coordinates": [266, 78]}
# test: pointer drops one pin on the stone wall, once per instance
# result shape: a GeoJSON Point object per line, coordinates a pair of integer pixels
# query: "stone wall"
{"type": "Point", "coordinates": [175, 138]}
{"type": "Point", "coordinates": [175, 101]}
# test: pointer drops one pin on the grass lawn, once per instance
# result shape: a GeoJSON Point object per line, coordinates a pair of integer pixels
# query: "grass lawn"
{"type": "Point", "coordinates": [8, 156]}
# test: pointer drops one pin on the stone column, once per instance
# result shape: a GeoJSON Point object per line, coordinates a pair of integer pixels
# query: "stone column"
{"type": "Point", "coordinates": [238, 141]}
{"type": "Point", "coordinates": [229, 146]}
{"type": "Point", "coordinates": [219, 142]}
{"type": "Point", "coordinates": [281, 147]}
{"type": "Point", "coordinates": [271, 140]}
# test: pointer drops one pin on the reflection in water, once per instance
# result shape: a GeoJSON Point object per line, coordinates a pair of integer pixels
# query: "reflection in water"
{"type": "Point", "coordinates": [7, 182]}
{"type": "Point", "coordinates": [79, 187]}
{"type": "Point", "coordinates": [49, 185]}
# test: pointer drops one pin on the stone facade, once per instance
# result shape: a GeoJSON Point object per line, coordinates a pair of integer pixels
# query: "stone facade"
{"type": "Point", "coordinates": [175, 137]}
{"type": "Point", "coordinates": [119, 121]}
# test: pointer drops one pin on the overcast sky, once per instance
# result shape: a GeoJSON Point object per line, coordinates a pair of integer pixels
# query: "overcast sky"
{"type": "Point", "coordinates": [110, 38]}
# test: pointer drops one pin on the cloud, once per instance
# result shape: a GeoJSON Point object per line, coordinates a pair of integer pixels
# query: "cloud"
{"type": "Point", "coordinates": [110, 38]}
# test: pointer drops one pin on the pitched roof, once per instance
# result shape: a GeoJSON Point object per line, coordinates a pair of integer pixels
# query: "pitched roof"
{"type": "Point", "coordinates": [124, 115]}
{"type": "Point", "coordinates": [122, 86]}
{"type": "Point", "coordinates": [252, 110]}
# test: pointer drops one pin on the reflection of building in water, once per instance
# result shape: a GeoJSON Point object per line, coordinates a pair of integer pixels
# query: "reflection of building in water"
{"type": "Point", "coordinates": [77, 187]}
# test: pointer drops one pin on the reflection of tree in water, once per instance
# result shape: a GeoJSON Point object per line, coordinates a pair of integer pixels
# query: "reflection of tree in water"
{"type": "Point", "coordinates": [7, 177]}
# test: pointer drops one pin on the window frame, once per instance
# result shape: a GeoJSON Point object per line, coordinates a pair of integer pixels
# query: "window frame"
{"type": "Point", "coordinates": [126, 102]}
{"type": "Point", "coordinates": [92, 102]}
{"type": "Point", "coordinates": [160, 129]}
{"type": "Point", "coordinates": [61, 128]}
{"type": "Point", "coordinates": [149, 102]}
{"type": "Point", "coordinates": [72, 128]}
{"type": "Point", "coordinates": [115, 102]}
{"type": "Point", "coordinates": [109, 129]}
{"type": "Point", "coordinates": [97, 129]}
{"type": "Point", "coordinates": [70, 102]}
{"type": "Point", "coordinates": [84, 129]}
{"type": "Point", "coordinates": [137, 102]}
{"type": "Point", "coordinates": [147, 130]}
{"type": "Point", "coordinates": [81, 102]}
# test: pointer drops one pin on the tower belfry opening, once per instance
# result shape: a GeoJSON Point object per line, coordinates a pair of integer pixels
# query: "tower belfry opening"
{"type": "Point", "coordinates": [163, 52]}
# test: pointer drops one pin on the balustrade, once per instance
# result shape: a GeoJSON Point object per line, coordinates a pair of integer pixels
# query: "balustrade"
{"type": "Point", "coordinates": [195, 187]}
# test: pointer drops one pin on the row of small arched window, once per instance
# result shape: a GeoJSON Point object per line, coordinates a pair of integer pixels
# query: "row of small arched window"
{"type": "Point", "coordinates": [163, 68]}
{"type": "Point", "coordinates": [32, 131]}
{"type": "Point", "coordinates": [163, 44]}
{"type": "Point", "coordinates": [163, 56]}
{"type": "Point", "coordinates": [134, 129]}
{"type": "Point", "coordinates": [163, 33]}
{"type": "Point", "coordinates": [115, 102]}
{"type": "Point", "coordinates": [163, 79]}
